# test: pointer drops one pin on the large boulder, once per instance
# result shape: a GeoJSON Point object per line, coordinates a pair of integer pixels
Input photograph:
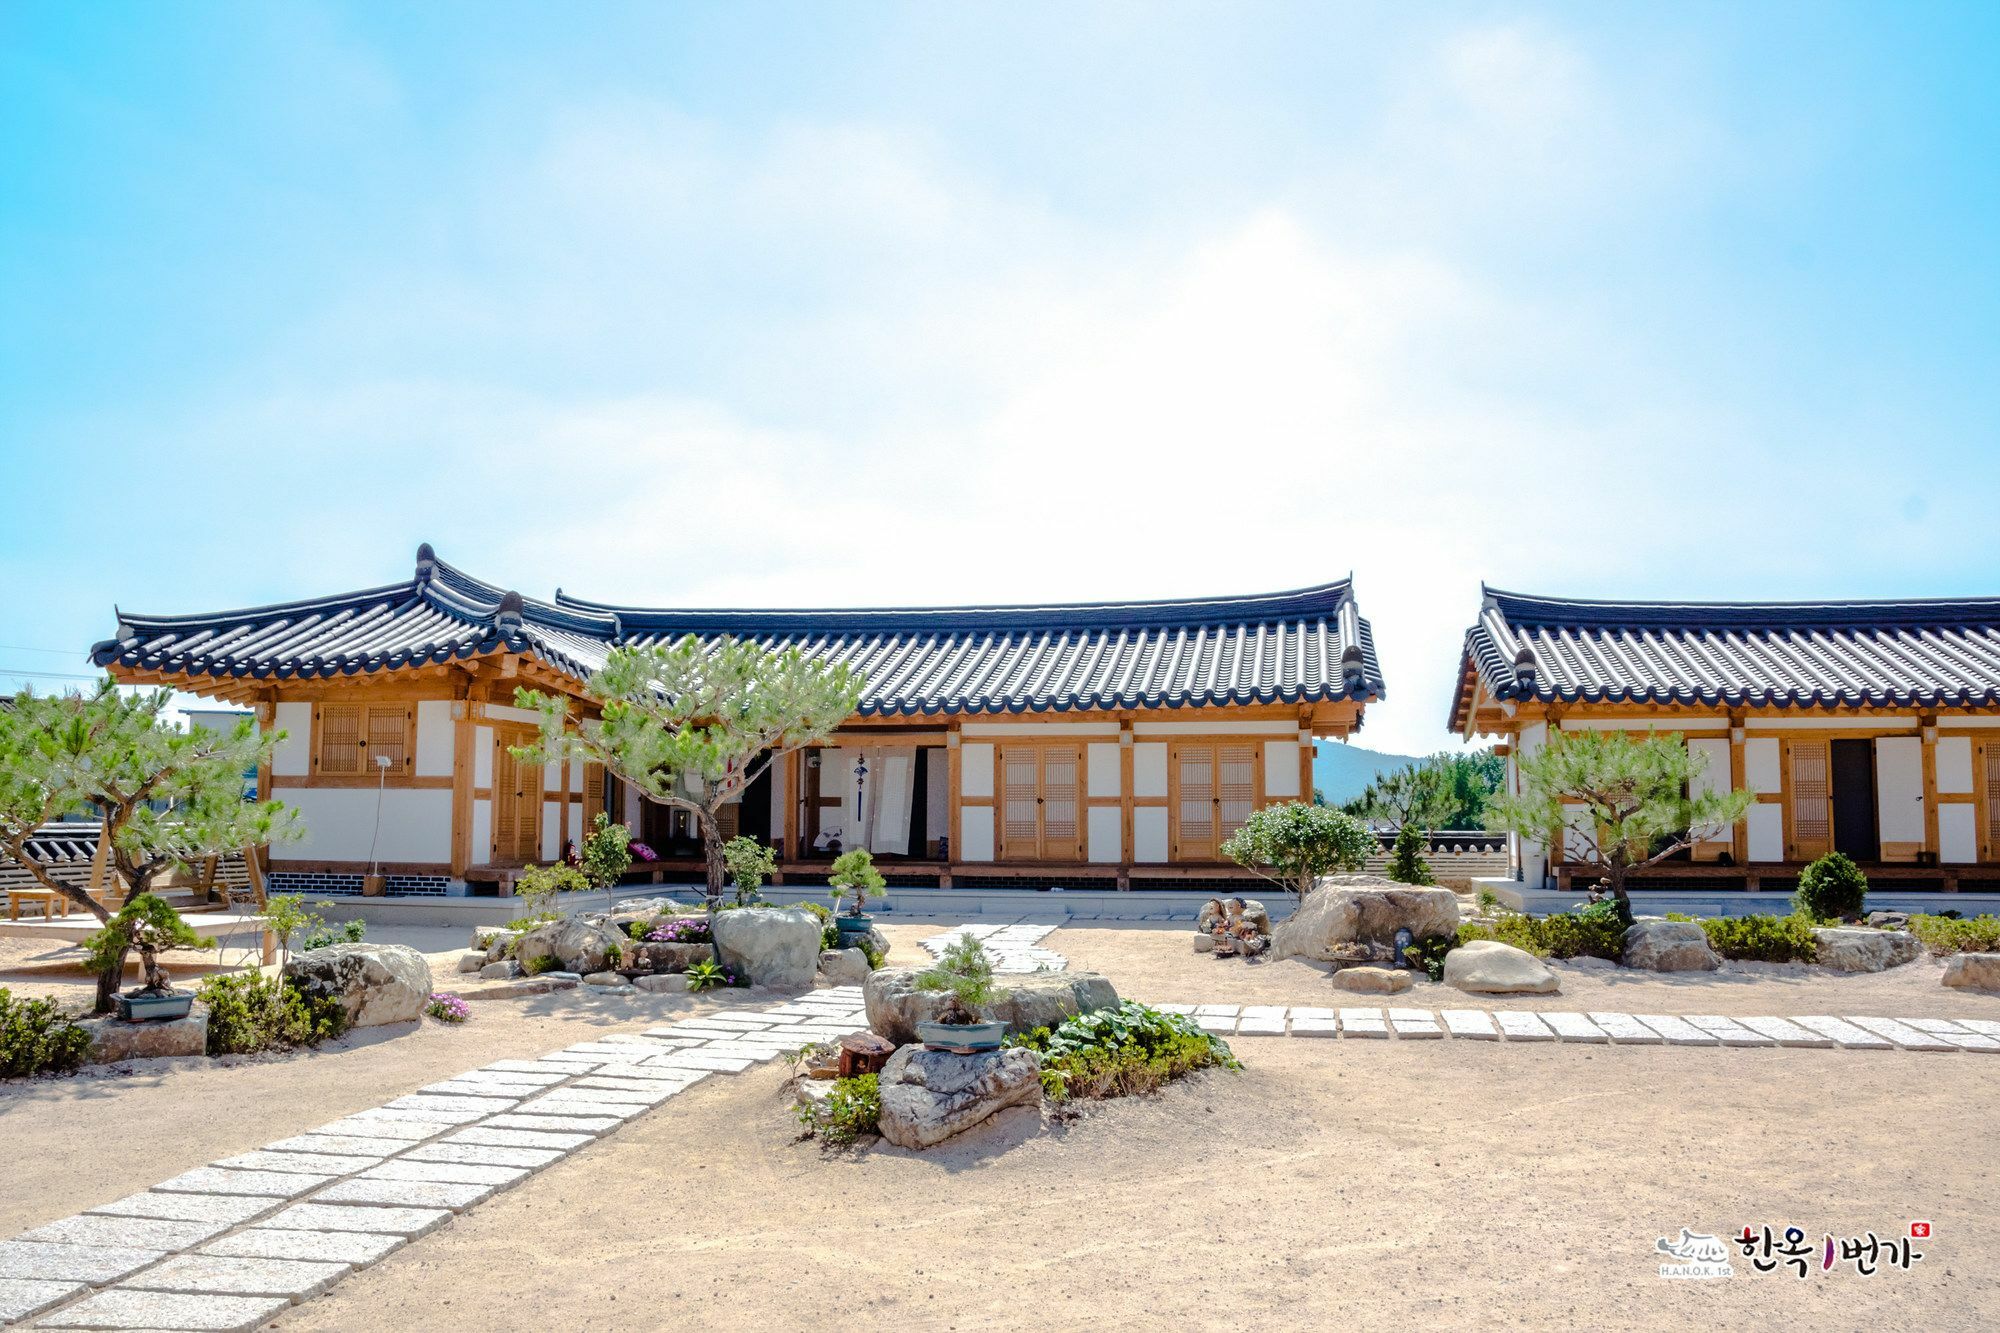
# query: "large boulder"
{"type": "Point", "coordinates": [1859, 949]}
{"type": "Point", "coordinates": [773, 946]}
{"type": "Point", "coordinates": [656, 957]}
{"type": "Point", "coordinates": [590, 946]}
{"type": "Point", "coordinates": [1350, 918]}
{"type": "Point", "coordinates": [1973, 971]}
{"type": "Point", "coordinates": [113, 1039]}
{"type": "Point", "coordinates": [1669, 946]}
{"type": "Point", "coordinates": [1037, 1000]}
{"type": "Point", "coordinates": [843, 967]}
{"type": "Point", "coordinates": [928, 1096]}
{"type": "Point", "coordinates": [1488, 967]}
{"type": "Point", "coordinates": [375, 983]}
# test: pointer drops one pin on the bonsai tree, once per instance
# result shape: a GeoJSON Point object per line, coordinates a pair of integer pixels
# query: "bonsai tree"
{"type": "Point", "coordinates": [168, 798]}
{"type": "Point", "coordinates": [1293, 845]}
{"type": "Point", "coordinates": [692, 724]}
{"type": "Point", "coordinates": [1406, 860]}
{"type": "Point", "coordinates": [149, 924]}
{"type": "Point", "coordinates": [1632, 803]}
{"type": "Point", "coordinates": [1831, 889]}
{"type": "Point", "coordinates": [749, 862]}
{"type": "Point", "coordinates": [965, 975]}
{"type": "Point", "coordinates": [855, 873]}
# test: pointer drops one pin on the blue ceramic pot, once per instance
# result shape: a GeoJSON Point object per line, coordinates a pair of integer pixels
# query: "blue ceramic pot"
{"type": "Point", "coordinates": [961, 1036]}
{"type": "Point", "coordinates": [143, 1008]}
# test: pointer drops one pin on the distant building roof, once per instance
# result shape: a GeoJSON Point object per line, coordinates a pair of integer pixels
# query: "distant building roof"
{"type": "Point", "coordinates": [1310, 645]}
{"type": "Point", "coordinates": [1921, 654]}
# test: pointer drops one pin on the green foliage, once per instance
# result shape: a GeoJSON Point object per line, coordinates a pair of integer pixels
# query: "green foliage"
{"type": "Point", "coordinates": [1642, 800]}
{"type": "Point", "coordinates": [852, 1109]}
{"type": "Point", "coordinates": [965, 975]}
{"type": "Point", "coordinates": [537, 886]}
{"type": "Point", "coordinates": [1489, 902]}
{"type": "Point", "coordinates": [1762, 938]}
{"type": "Point", "coordinates": [541, 963]}
{"type": "Point", "coordinates": [605, 854]}
{"type": "Point", "coordinates": [693, 724]}
{"type": "Point", "coordinates": [325, 935]}
{"type": "Point", "coordinates": [149, 924]}
{"type": "Point", "coordinates": [1122, 1051]}
{"type": "Point", "coordinates": [829, 933]}
{"type": "Point", "coordinates": [1831, 889]}
{"type": "Point", "coordinates": [1607, 912]}
{"type": "Point", "coordinates": [873, 952]}
{"type": "Point", "coordinates": [707, 973]}
{"type": "Point", "coordinates": [1943, 935]}
{"type": "Point", "coordinates": [854, 873]}
{"type": "Point", "coordinates": [1428, 953]}
{"type": "Point", "coordinates": [1406, 861]}
{"type": "Point", "coordinates": [1295, 844]}
{"type": "Point", "coordinates": [749, 863]}
{"type": "Point", "coordinates": [252, 1012]}
{"type": "Point", "coordinates": [1558, 935]}
{"type": "Point", "coordinates": [37, 1037]}
{"type": "Point", "coordinates": [1445, 791]}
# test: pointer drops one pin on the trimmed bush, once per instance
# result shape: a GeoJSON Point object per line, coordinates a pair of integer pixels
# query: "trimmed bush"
{"type": "Point", "coordinates": [1406, 860]}
{"type": "Point", "coordinates": [1118, 1052]}
{"type": "Point", "coordinates": [1942, 935]}
{"type": "Point", "coordinates": [252, 1012]}
{"type": "Point", "coordinates": [1762, 938]}
{"type": "Point", "coordinates": [1587, 934]}
{"type": "Point", "coordinates": [37, 1037]}
{"type": "Point", "coordinates": [1831, 889]}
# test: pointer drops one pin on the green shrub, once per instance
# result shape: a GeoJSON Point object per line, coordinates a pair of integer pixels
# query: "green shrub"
{"type": "Point", "coordinates": [537, 887]}
{"type": "Point", "coordinates": [1489, 902]}
{"type": "Point", "coordinates": [1558, 935]}
{"type": "Point", "coordinates": [707, 972]}
{"type": "Point", "coordinates": [348, 932]}
{"type": "Point", "coordinates": [1947, 935]}
{"type": "Point", "coordinates": [1406, 861]}
{"type": "Point", "coordinates": [606, 852]}
{"type": "Point", "coordinates": [1118, 1052]}
{"type": "Point", "coordinates": [1762, 938]}
{"type": "Point", "coordinates": [252, 1012]}
{"type": "Point", "coordinates": [37, 1037]}
{"type": "Point", "coordinates": [541, 963]}
{"type": "Point", "coordinates": [876, 954]}
{"type": "Point", "coordinates": [852, 1109]}
{"type": "Point", "coordinates": [1831, 889]}
{"type": "Point", "coordinates": [829, 934]}
{"type": "Point", "coordinates": [749, 864]}
{"type": "Point", "coordinates": [1428, 953]}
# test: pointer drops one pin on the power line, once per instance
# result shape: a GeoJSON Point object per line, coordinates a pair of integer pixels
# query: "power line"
{"type": "Point", "coordinates": [30, 648]}
{"type": "Point", "coordinates": [45, 675]}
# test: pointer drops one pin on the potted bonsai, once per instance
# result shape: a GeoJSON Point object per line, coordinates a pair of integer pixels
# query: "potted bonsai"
{"type": "Point", "coordinates": [149, 924]}
{"type": "Point", "coordinates": [965, 975]}
{"type": "Point", "coordinates": [855, 880]}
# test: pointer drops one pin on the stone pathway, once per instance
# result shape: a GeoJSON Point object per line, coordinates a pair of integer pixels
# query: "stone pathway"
{"type": "Point", "coordinates": [1014, 949]}
{"type": "Point", "coordinates": [231, 1244]}
{"type": "Point", "coordinates": [1819, 1030]}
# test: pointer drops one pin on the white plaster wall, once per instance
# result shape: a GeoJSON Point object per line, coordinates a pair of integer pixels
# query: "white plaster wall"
{"type": "Point", "coordinates": [1899, 788]}
{"type": "Point", "coordinates": [509, 713]}
{"type": "Point", "coordinates": [975, 770]}
{"type": "Point", "coordinates": [434, 738]}
{"type": "Point", "coordinates": [779, 767]}
{"type": "Point", "coordinates": [292, 758]}
{"type": "Point", "coordinates": [552, 777]}
{"type": "Point", "coordinates": [1149, 769]}
{"type": "Point", "coordinates": [551, 830]}
{"type": "Point", "coordinates": [1954, 764]}
{"type": "Point", "coordinates": [1533, 852]}
{"type": "Point", "coordinates": [1216, 728]}
{"type": "Point", "coordinates": [482, 831]}
{"type": "Point", "coordinates": [975, 834]}
{"type": "Point", "coordinates": [338, 821]}
{"type": "Point", "coordinates": [1106, 828]}
{"type": "Point", "coordinates": [482, 757]}
{"type": "Point", "coordinates": [576, 768]}
{"type": "Point", "coordinates": [1105, 773]}
{"type": "Point", "coordinates": [1766, 822]}
{"type": "Point", "coordinates": [1958, 834]}
{"type": "Point", "coordinates": [1714, 775]}
{"type": "Point", "coordinates": [1281, 770]}
{"type": "Point", "coordinates": [1763, 765]}
{"type": "Point", "coordinates": [1149, 833]}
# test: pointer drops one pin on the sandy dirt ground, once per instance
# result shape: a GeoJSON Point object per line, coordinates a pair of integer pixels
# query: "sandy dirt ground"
{"type": "Point", "coordinates": [1455, 1184]}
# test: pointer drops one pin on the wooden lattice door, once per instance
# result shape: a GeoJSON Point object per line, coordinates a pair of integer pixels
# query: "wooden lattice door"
{"type": "Point", "coordinates": [1989, 800]}
{"type": "Point", "coordinates": [1809, 767]}
{"type": "Point", "coordinates": [1041, 803]}
{"type": "Point", "coordinates": [517, 803]}
{"type": "Point", "coordinates": [1061, 781]}
{"type": "Point", "coordinates": [1194, 804]}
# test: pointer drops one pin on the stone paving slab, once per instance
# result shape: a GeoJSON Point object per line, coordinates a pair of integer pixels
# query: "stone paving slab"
{"type": "Point", "coordinates": [315, 1163]}
{"type": "Point", "coordinates": [1935, 1026]}
{"type": "Point", "coordinates": [449, 1173]}
{"type": "Point", "coordinates": [1276, 1011]}
{"type": "Point", "coordinates": [90, 1265]}
{"type": "Point", "coordinates": [481, 1136]}
{"type": "Point", "coordinates": [379, 1126]}
{"type": "Point", "coordinates": [1220, 1024]}
{"type": "Point", "coordinates": [1415, 1024]}
{"type": "Point", "coordinates": [1849, 1036]}
{"type": "Point", "coordinates": [126, 1232]}
{"type": "Point", "coordinates": [580, 1104]}
{"type": "Point", "coordinates": [1625, 1030]}
{"type": "Point", "coordinates": [500, 1078]}
{"type": "Point", "coordinates": [160, 1310]}
{"type": "Point", "coordinates": [1786, 1033]}
{"type": "Point", "coordinates": [345, 1247]}
{"type": "Point", "coordinates": [1728, 1031]}
{"type": "Point", "coordinates": [220, 1180]}
{"type": "Point", "coordinates": [335, 1145]}
{"type": "Point", "coordinates": [419, 1101]}
{"type": "Point", "coordinates": [1363, 1023]}
{"type": "Point", "coordinates": [1985, 1027]}
{"type": "Point", "coordinates": [638, 1091]}
{"type": "Point", "coordinates": [1573, 1027]}
{"type": "Point", "coordinates": [560, 1068]}
{"type": "Point", "coordinates": [406, 1222]}
{"type": "Point", "coordinates": [225, 1208]}
{"type": "Point", "coordinates": [1467, 1024]}
{"type": "Point", "coordinates": [406, 1194]}
{"type": "Point", "coordinates": [1260, 1027]}
{"type": "Point", "coordinates": [1522, 1025]}
{"type": "Point", "coordinates": [1971, 1041]}
{"type": "Point", "coordinates": [1906, 1037]}
{"type": "Point", "coordinates": [1677, 1032]}
{"type": "Point", "coordinates": [551, 1122]}
{"type": "Point", "coordinates": [1217, 1010]}
{"type": "Point", "coordinates": [223, 1275]}
{"type": "Point", "coordinates": [408, 1116]}
{"type": "Point", "coordinates": [1315, 1027]}
{"type": "Point", "coordinates": [21, 1297]}
{"type": "Point", "coordinates": [728, 1064]}
{"type": "Point", "coordinates": [480, 1154]}
{"type": "Point", "coordinates": [453, 1087]}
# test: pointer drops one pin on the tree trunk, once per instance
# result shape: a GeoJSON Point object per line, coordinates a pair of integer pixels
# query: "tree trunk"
{"type": "Point", "coordinates": [109, 980]}
{"type": "Point", "coordinates": [711, 848]}
{"type": "Point", "coordinates": [1614, 875]}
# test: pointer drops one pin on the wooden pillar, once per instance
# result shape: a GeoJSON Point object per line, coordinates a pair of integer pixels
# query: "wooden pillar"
{"type": "Point", "coordinates": [1739, 835]}
{"type": "Point", "coordinates": [267, 721]}
{"type": "Point", "coordinates": [955, 813]}
{"type": "Point", "coordinates": [253, 866]}
{"type": "Point", "coordinates": [794, 763]}
{"type": "Point", "coordinates": [464, 731]}
{"type": "Point", "coordinates": [1305, 764]}
{"type": "Point", "coordinates": [1927, 729]}
{"type": "Point", "coordinates": [1128, 843]}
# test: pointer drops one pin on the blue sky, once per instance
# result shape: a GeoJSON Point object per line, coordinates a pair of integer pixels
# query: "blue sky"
{"type": "Point", "coordinates": [825, 304]}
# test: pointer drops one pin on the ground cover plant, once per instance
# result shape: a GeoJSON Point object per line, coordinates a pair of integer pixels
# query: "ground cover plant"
{"type": "Point", "coordinates": [328, 934]}
{"type": "Point", "coordinates": [708, 973]}
{"type": "Point", "coordinates": [1941, 935]}
{"type": "Point", "coordinates": [447, 1008]}
{"type": "Point", "coordinates": [37, 1037]}
{"type": "Point", "coordinates": [1592, 932]}
{"type": "Point", "coordinates": [1119, 1052]}
{"type": "Point", "coordinates": [679, 930]}
{"type": "Point", "coordinates": [251, 1012]}
{"type": "Point", "coordinates": [1760, 938]}
{"type": "Point", "coordinates": [852, 1109]}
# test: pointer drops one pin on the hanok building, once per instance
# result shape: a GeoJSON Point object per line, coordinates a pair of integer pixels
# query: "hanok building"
{"type": "Point", "coordinates": [1869, 728]}
{"type": "Point", "coordinates": [1079, 745]}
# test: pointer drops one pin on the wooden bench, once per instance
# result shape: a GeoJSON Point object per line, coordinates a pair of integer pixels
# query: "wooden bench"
{"type": "Point", "coordinates": [53, 903]}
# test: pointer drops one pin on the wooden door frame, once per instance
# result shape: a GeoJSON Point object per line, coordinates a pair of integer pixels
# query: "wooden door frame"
{"type": "Point", "coordinates": [1214, 744]}
{"type": "Point", "coordinates": [1039, 746]}
{"type": "Point", "coordinates": [503, 734]}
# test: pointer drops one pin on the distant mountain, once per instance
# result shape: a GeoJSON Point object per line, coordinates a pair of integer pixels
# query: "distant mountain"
{"type": "Point", "coordinates": [1341, 771]}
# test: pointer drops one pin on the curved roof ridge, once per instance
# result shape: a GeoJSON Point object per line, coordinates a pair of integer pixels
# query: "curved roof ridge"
{"type": "Point", "coordinates": [330, 602]}
{"type": "Point", "coordinates": [1535, 609]}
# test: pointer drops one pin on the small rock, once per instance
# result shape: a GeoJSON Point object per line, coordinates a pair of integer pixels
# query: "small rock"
{"type": "Point", "coordinates": [1888, 920]}
{"type": "Point", "coordinates": [607, 980]}
{"type": "Point", "coordinates": [471, 962]}
{"type": "Point", "coordinates": [504, 970]}
{"type": "Point", "coordinates": [1860, 949]}
{"type": "Point", "coordinates": [1488, 967]}
{"type": "Point", "coordinates": [1204, 944]}
{"type": "Point", "coordinates": [1973, 971]}
{"type": "Point", "coordinates": [1372, 980]}
{"type": "Point", "coordinates": [1669, 946]}
{"type": "Point", "coordinates": [375, 983]}
{"type": "Point", "coordinates": [113, 1039]}
{"type": "Point", "coordinates": [843, 967]}
{"type": "Point", "coordinates": [667, 983]}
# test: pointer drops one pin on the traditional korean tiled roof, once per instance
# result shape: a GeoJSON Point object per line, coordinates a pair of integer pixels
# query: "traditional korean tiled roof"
{"type": "Point", "coordinates": [1921, 654]}
{"type": "Point", "coordinates": [1305, 646]}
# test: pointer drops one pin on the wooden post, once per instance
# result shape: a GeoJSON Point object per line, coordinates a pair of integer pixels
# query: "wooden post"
{"type": "Point", "coordinates": [955, 805]}
{"type": "Point", "coordinates": [464, 732]}
{"type": "Point", "coordinates": [270, 943]}
{"type": "Point", "coordinates": [253, 866]}
{"type": "Point", "coordinates": [1128, 839]}
{"type": "Point", "coordinates": [1739, 835]}
{"type": "Point", "coordinates": [1927, 729]}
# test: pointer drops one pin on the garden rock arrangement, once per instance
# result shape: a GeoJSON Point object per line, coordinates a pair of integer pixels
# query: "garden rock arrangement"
{"type": "Point", "coordinates": [113, 1039]}
{"type": "Point", "coordinates": [1354, 919]}
{"type": "Point", "coordinates": [896, 1006]}
{"type": "Point", "coordinates": [928, 1096]}
{"type": "Point", "coordinates": [1669, 946]}
{"type": "Point", "coordinates": [1488, 967]}
{"type": "Point", "coordinates": [1863, 949]}
{"type": "Point", "coordinates": [844, 967]}
{"type": "Point", "coordinates": [375, 983]}
{"type": "Point", "coordinates": [1973, 971]}
{"type": "Point", "coordinates": [1369, 980]}
{"type": "Point", "coordinates": [772, 946]}
{"type": "Point", "coordinates": [1232, 926]}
